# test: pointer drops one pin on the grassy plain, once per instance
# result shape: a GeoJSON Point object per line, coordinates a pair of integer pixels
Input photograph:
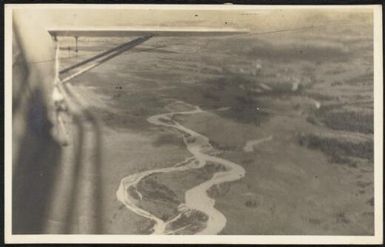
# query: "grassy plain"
{"type": "Point", "coordinates": [311, 90]}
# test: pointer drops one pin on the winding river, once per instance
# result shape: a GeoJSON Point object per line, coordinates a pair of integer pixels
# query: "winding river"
{"type": "Point", "coordinates": [196, 198]}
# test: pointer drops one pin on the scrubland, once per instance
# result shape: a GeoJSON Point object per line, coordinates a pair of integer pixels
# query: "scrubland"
{"type": "Point", "coordinates": [311, 90]}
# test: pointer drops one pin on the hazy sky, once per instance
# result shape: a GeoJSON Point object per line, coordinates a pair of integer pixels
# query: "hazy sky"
{"type": "Point", "coordinates": [253, 19]}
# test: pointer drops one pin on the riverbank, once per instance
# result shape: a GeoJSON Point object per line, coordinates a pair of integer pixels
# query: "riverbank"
{"type": "Point", "coordinates": [196, 199]}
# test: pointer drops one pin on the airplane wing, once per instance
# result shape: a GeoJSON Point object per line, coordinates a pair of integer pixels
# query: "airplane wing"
{"type": "Point", "coordinates": [144, 34]}
{"type": "Point", "coordinates": [140, 31]}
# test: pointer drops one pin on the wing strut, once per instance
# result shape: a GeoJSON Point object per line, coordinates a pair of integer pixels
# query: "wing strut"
{"type": "Point", "coordinates": [104, 56]}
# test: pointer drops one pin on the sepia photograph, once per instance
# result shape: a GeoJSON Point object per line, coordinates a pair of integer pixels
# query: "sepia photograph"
{"type": "Point", "coordinates": [236, 124]}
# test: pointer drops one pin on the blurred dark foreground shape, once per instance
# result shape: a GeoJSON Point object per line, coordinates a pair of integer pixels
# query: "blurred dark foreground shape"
{"type": "Point", "coordinates": [36, 154]}
{"type": "Point", "coordinates": [49, 178]}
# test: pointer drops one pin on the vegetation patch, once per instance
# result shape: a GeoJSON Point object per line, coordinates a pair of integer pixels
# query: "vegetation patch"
{"type": "Point", "coordinates": [350, 120]}
{"type": "Point", "coordinates": [190, 222]}
{"type": "Point", "coordinates": [169, 139]}
{"type": "Point", "coordinates": [338, 147]}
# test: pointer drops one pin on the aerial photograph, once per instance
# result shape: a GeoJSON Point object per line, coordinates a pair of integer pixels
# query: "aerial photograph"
{"type": "Point", "coordinates": [193, 121]}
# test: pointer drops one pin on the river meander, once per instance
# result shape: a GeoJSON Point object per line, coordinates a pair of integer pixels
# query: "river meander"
{"type": "Point", "coordinates": [197, 197]}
